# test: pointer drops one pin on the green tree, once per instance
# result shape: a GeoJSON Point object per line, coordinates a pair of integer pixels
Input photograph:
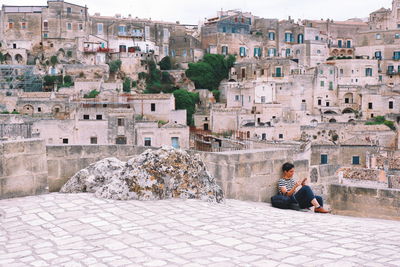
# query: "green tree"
{"type": "Point", "coordinates": [91, 94]}
{"type": "Point", "coordinates": [126, 85]}
{"type": "Point", "coordinates": [115, 66]}
{"type": "Point", "coordinates": [2, 58]}
{"type": "Point", "coordinates": [216, 94]}
{"type": "Point", "coordinates": [165, 63]}
{"type": "Point", "coordinates": [186, 100]}
{"type": "Point", "coordinates": [53, 60]}
{"type": "Point", "coordinates": [208, 73]}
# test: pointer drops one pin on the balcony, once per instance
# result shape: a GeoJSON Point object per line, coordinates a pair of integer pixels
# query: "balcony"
{"type": "Point", "coordinates": [97, 49]}
{"type": "Point", "coordinates": [392, 72]}
{"type": "Point", "coordinates": [353, 106]}
{"type": "Point", "coordinates": [278, 75]}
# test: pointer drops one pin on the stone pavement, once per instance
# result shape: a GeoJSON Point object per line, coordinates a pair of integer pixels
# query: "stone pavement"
{"type": "Point", "coordinates": [81, 230]}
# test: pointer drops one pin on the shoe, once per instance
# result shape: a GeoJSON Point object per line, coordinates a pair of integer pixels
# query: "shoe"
{"type": "Point", "coordinates": [321, 210]}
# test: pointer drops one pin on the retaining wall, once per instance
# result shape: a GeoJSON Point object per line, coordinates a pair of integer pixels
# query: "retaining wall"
{"type": "Point", "coordinates": [23, 168]}
{"type": "Point", "coordinates": [365, 202]}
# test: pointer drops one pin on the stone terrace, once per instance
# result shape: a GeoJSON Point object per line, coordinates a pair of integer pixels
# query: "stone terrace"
{"type": "Point", "coordinates": [81, 230]}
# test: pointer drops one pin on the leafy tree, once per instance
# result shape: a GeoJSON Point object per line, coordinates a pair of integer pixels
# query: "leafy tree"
{"type": "Point", "coordinates": [216, 95]}
{"type": "Point", "coordinates": [165, 77]}
{"type": "Point", "coordinates": [126, 85]}
{"type": "Point", "coordinates": [209, 72]}
{"type": "Point", "coordinates": [2, 58]}
{"type": "Point", "coordinates": [186, 100]}
{"type": "Point", "coordinates": [165, 63]}
{"type": "Point", "coordinates": [50, 80]}
{"type": "Point", "coordinates": [53, 60]}
{"type": "Point", "coordinates": [67, 79]}
{"type": "Point", "coordinates": [92, 94]}
{"type": "Point", "coordinates": [115, 65]}
{"type": "Point", "coordinates": [69, 53]}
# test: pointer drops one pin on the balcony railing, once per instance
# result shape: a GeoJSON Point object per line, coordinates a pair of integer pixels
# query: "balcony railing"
{"type": "Point", "coordinates": [392, 72]}
{"type": "Point", "coordinates": [97, 49]}
{"type": "Point", "coordinates": [278, 75]}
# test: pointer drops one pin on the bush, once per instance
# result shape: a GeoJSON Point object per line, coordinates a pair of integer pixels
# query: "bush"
{"type": "Point", "coordinates": [390, 124]}
{"type": "Point", "coordinates": [142, 75]}
{"type": "Point", "coordinates": [165, 77]}
{"type": "Point", "coordinates": [69, 53]}
{"type": "Point", "coordinates": [5, 112]}
{"type": "Point", "coordinates": [15, 112]}
{"type": "Point", "coordinates": [91, 94]}
{"type": "Point", "coordinates": [216, 94]}
{"type": "Point", "coordinates": [134, 83]}
{"type": "Point", "coordinates": [165, 63]}
{"type": "Point", "coordinates": [378, 120]}
{"type": "Point", "coordinates": [67, 79]}
{"type": "Point", "coordinates": [115, 65]}
{"type": "Point", "coordinates": [53, 60]}
{"type": "Point", "coordinates": [126, 85]}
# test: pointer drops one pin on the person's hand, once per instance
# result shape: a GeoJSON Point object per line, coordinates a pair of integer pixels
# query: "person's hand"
{"type": "Point", "coordinates": [304, 181]}
{"type": "Point", "coordinates": [299, 183]}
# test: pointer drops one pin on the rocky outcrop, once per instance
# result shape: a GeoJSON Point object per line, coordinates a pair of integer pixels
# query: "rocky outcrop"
{"type": "Point", "coordinates": [154, 174]}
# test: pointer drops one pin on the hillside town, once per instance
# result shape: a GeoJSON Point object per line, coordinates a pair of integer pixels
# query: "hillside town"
{"type": "Point", "coordinates": [328, 87]}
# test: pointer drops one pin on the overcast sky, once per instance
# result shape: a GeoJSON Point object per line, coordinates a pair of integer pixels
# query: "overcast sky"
{"type": "Point", "coordinates": [191, 12]}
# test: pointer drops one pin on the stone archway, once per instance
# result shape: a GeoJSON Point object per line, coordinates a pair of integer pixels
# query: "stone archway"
{"type": "Point", "coordinates": [332, 120]}
{"type": "Point", "coordinates": [335, 52]}
{"type": "Point", "coordinates": [19, 59]}
{"type": "Point", "coordinates": [348, 110]}
{"type": "Point", "coordinates": [8, 59]}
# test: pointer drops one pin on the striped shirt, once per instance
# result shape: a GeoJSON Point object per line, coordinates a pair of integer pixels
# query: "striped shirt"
{"type": "Point", "coordinates": [288, 183]}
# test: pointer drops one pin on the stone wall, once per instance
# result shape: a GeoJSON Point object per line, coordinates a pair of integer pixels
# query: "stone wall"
{"type": "Point", "coordinates": [243, 175]}
{"type": "Point", "coordinates": [23, 168]}
{"type": "Point", "coordinates": [65, 160]}
{"type": "Point", "coordinates": [252, 175]}
{"type": "Point", "coordinates": [365, 202]}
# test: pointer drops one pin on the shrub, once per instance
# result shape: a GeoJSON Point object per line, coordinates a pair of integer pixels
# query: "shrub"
{"type": "Point", "coordinates": [53, 60]}
{"type": "Point", "coordinates": [69, 53]}
{"type": "Point", "coordinates": [91, 94]}
{"type": "Point", "coordinates": [165, 63]}
{"type": "Point", "coordinates": [115, 65]}
{"type": "Point", "coordinates": [15, 112]}
{"type": "Point", "coordinates": [67, 79]}
{"type": "Point", "coordinates": [126, 85]}
{"type": "Point", "coordinates": [5, 112]}
{"type": "Point", "coordinates": [134, 83]}
{"type": "Point", "coordinates": [142, 75]}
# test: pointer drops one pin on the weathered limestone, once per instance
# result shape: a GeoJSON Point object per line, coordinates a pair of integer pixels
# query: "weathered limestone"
{"type": "Point", "coordinates": [365, 202]}
{"type": "Point", "coordinates": [158, 174]}
{"type": "Point", "coordinates": [23, 168]}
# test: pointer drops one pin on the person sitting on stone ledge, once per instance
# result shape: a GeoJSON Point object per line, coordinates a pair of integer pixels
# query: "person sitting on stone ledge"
{"type": "Point", "coordinates": [304, 196]}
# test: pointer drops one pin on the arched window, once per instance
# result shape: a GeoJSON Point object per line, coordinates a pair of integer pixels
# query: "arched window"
{"type": "Point", "coordinates": [300, 38]}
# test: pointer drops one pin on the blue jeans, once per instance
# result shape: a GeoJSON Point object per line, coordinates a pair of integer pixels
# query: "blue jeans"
{"type": "Point", "coordinates": [304, 197]}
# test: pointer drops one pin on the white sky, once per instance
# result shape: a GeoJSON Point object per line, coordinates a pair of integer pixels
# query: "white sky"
{"type": "Point", "coordinates": [193, 11]}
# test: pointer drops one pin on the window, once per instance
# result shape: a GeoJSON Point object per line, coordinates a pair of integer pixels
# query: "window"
{"type": "Point", "coordinates": [122, 29]}
{"type": "Point", "coordinates": [65, 140]}
{"type": "Point", "coordinates": [39, 109]}
{"type": "Point", "coordinates": [390, 104]}
{"type": "Point", "coordinates": [340, 43]}
{"type": "Point", "coordinates": [396, 55]}
{"type": "Point", "coordinates": [264, 136]}
{"type": "Point", "coordinates": [237, 98]}
{"type": "Point", "coordinates": [280, 136]}
{"type": "Point", "coordinates": [378, 36]}
{"type": "Point", "coordinates": [152, 107]}
{"type": "Point", "coordinates": [378, 55]}
{"type": "Point", "coordinates": [223, 29]}
{"type": "Point", "coordinates": [368, 72]}
{"type": "Point", "coordinates": [300, 38]}
{"type": "Point", "coordinates": [45, 25]}
{"type": "Point", "coordinates": [271, 52]}
{"type": "Point", "coordinates": [69, 10]}
{"type": "Point", "coordinates": [23, 25]}
{"type": "Point", "coordinates": [355, 160]}
{"type": "Point", "coordinates": [347, 100]}
{"type": "Point", "coordinates": [390, 70]}
{"type": "Point", "coordinates": [271, 36]}
{"type": "Point", "coordinates": [175, 142]}
{"type": "Point", "coordinates": [330, 85]}
{"type": "Point", "coordinates": [86, 117]}
{"type": "Point", "coordinates": [224, 50]}
{"type": "Point", "coordinates": [341, 72]}
{"type": "Point", "coordinates": [99, 117]}
{"type": "Point", "coordinates": [80, 26]}
{"type": "Point", "coordinates": [322, 83]}
{"type": "Point", "coordinates": [318, 52]}
{"type": "Point", "coordinates": [257, 52]}
{"type": "Point", "coordinates": [120, 140]}
{"type": "Point", "coordinates": [324, 159]}
{"type": "Point", "coordinates": [288, 52]}
{"type": "Point", "coordinates": [348, 44]}
{"type": "Point", "coordinates": [288, 37]}
{"type": "Point", "coordinates": [397, 36]}
{"type": "Point", "coordinates": [380, 78]}
{"type": "Point", "coordinates": [370, 105]}
{"type": "Point", "coordinates": [242, 51]}
{"type": "Point", "coordinates": [327, 104]}
{"type": "Point", "coordinates": [69, 26]}
{"type": "Point", "coordinates": [147, 141]}
{"type": "Point", "coordinates": [319, 102]}
{"type": "Point", "coordinates": [263, 99]}
{"type": "Point", "coordinates": [99, 28]}
{"type": "Point", "coordinates": [184, 53]}
{"type": "Point", "coordinates": [317, 38]}
{"type": "Point", "coordinates": [93, 140]}
{"type": "Point", "coordinates": [121, 122]}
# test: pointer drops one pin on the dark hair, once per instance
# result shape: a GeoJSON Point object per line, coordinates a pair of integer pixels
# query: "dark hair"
{"type": "Point", "coordinates": [287, 166]}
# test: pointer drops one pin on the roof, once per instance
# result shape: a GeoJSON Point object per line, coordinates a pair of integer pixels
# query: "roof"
{"type": "Point", "coordinates": [381, 10]}
{"type": "Point", "coordinates": [35, 95]}
{"type": "Point", "coordinates": [357, 141]}
{"type": "Point", "coordinates": [173, 125]}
